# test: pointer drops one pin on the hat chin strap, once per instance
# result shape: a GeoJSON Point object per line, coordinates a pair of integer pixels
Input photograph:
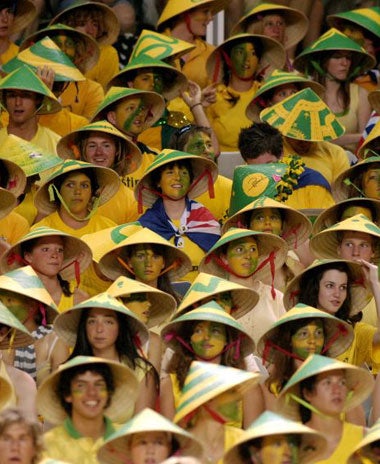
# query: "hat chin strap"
{"type": "Point", "coordinates": [54, 191]}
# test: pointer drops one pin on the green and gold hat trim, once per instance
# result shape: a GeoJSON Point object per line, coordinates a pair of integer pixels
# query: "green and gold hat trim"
{"type": "Point", "coordinates": [361, 453]}
{"type": "Point", "coordinates": [334, 40]}
{"type": "Point", "coordinates": [277, 79]}
{"type": "Point", "coordinates": [75, 251]}
{"type": "Point", "coordinates": [66, 324]}
{"type": "Point", "coordinates": [268, 424]}
{"type": "Point", "coordinates": [174, 81]}
{"type": "Point", "coordinates": [111, 21]}
{"type": "Point", "coordinates": [360, 295]}
{"type": "Point", "coordinates": [296, 23]}
{"type": "Point", "coordinates": [205, 381]}
{"type": "Point", "coordinates": [205, 173]}
{"type": "Point", "coordinates": [162, 306]}
{"type": "Point", "coordinates": [296, 227]}
{"type": "Point", "coordinates": [204, 286]}
{"type": "Point", "coordinates": [88, 58]}
{"type": "Point", "coordinates": [175, 8]}
{"type": "Point", "coordinates": [68, 146]}
{"type": "Point", "coordinates": [160, 46]}
{"type": "Point", "coordinates": [338, 334]}
{"type": "Point", "coordinates": [273, 54]}
{"type": "Point", "coordinates": [8, 202]}
{"type": "Point", "coordinates": [26, 12]}
{"type": "Point", "coordinates": [212, 312]}
{"type": "Point", "coordinates": [32, 159]}
{"type": "Point", "coordinates": [46, 53]}
{"type": "Point", "coordinates": [359, 382]}
{"type": "Point", "coordinates": [116, 449]}
{"type": "Point", "coordinates": [365, 18]}
{"type": "Point", "coordinates": [304, 116]}
{"type": "Point", "coordinates": [18, 335]}
{"type": "Point", "coordinates": [25, 282]}
{"type": "Point", "coordinates": [113, 262]}
{"type": "Point", "coordinates": [325, 243]}
{"type": "Point", "coordinates": [107, 180]}
{"type": "Point", "coordinates": [122, 401]}
{"type": "Point", "coordinates": [153, 100]}
{"type": "Point", "coordinates": [24, 78]}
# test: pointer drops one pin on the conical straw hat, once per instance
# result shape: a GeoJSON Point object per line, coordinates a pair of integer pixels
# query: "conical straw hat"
{"type": "Point", "coordinates": [360, 295]}
{"type": "Point", "coordinates": [107, 179]}
{"type": "Point", "coordinates": [111, 21]}
{"type": "Point", "coordinates": [116, 449]}
{"type": "Point", "coordinates": [270, 424]}
{"type": "Point", "coordinates": [366, 18]}
{"type": "Point", "coordinates": [162, 306]}
{"type": "Point", "coordinates": [8, 202]}
{"type": "Point", "coordinates": [6, 392]}
{"type": "Point", "coordinates": [112, 268]}
{"type": "Point", "coordinates": [296, 23]}
{"type": "Point", "coordinates": [304, 116]}
{"type": "Point", "coordinates": [16, 175]}
{"type": "Point", "coordinates": [75, 249]}
{"type": "Point", "coordinates": [68, 145]}
{"type": "Point", "coordinates": [24, 78]}
{"type": "Point", "coordinates": [26, 12]}
{"type": "Point", "coordinates": [362, 453]}
{"type": "Point", "coordinates": [122, 401]}
{"type": "Point", "coordinates": [277, 79]}
{"type": "Point", "coordinates": [296, 227]}
{"type": "Point", "coordinates": [205, 381]}
{"type": "Point", "coordinates": [359, 382]}
{"type": "Point", "coordinates": [204, 286]}
{"type": "Point", "coordinates": [332, 326]}
{"type": "Point", "coordinates": [204, 172]}
{"type": "Point", "coordinates": [18, 335]}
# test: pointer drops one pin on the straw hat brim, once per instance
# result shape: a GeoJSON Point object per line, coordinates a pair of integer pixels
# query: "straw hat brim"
{"type": "Point", "coordinates": [26, 13]}
{"type": "Point", "coordinates": [372, 435]}
{"type": "Point", "coordinates": [366, 18]}
{"type": "Point", "coordinates": [112, 24]}
{"type": "Point", "coordinates": [360, 296]}
{"type": "Point", "coordinates": [107, 179]}
{"type": "Point", "coordinates": [8, 201]}
{"type": "Point", "coordinates": [147, 191]}
{"type": "Point", "coordinates": [18, 336]}
{"type": "Point", "coordinates": [296, 227]}
{"type": "Point", "coordinates": [296, 22]}
{"type": "Point", "coordinates": [75, 249]}
{"type": "Point", "coordinates": [122, 401]}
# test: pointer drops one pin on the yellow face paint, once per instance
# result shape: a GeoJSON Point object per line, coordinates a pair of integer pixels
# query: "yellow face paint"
{"type": "Point", "coordinates": [242, 256]}
{"type": "Point", "coordinates": [208, 339]}
{"type": "Point", "coordinates": [371, 183]}
{"type": "Point", "coordinates": [277, 449]}
{"type": "Point", "coordinates": [308, 339]}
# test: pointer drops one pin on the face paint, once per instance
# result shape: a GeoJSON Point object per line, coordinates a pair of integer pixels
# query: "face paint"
{"type": "Point", "coordinates": [244, 60]}
{"type": "Point", "coordinates": [146, 264]}
{"type": "Point", "coordinates": [139, 304]}
{"type": "Point", "coordinates": [277, 449]}
{"type": "Point", "coordinates": [267, 220]}
{"type": "Point", "coordinates": [242, 256]}
{"type": "Point", "coordinates": [227, 405]}
{"type": "Point", "coordinates": [175, 181]}
{"type": "Point", "coordinates": [208, 339]}
{"type": "Point", "coordinates": [308, 339]}
{"type": "Point", "coordinates": [354, 210]}
{"type": "Point", "coordinates": [200, 144]}
{"type": "Point", "coordinates": [371, 184]}
{"type": "Point", "coordinates": [17, 304]}
{"type": "Point", "coordinates": [225, 301]}
{"type": "Point", "coordinates": [130, 116]}
{"type": "Point", "coordinates": [148, 80]}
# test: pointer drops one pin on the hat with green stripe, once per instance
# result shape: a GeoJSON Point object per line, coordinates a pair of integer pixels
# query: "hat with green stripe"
{"type": "Point", "coordinates": [116, 449]}
{"type": "Point", "coordinates": [211, 312]}
{"type": "Point", "coordinates": [269, 424]}
{"type": "Point", "coordinates": [204, 172]}
{"type": "Point", "coordinates": [311, 58]}
{"type": "Point", "coordinates": [205, 381]}
{"type": "Point", "coordinates": [24, 78]}
{"type": "Point", "coordinates": [128, 155]}
{"type": "Point", "coordinates": [66, 324]}
{"type": "Point", "coordinates": [25, 282]}
{"type": "Point", "coordinates": [18, 335]}
{"type": "Point", "coordinates": [365, 452]}
{"type": "Point", "coordinates": [359, 383]}
{"type": "Point", "coordinates": [162, 305]}
{"type": "Point", "coordinates": [206, 287]}
{"type": "Point", "coordinates": [370, 145]}
{"type": "Point", "coordinates": [87, 50]}
{"type": "Point", "coordinates": [116, 95]}
{"type": "Point", "coordinates": [160, 46]}
{"type": "Point", "coordinates": [75, 250]}
{"type": "Point", "coordinates": [304, 116]}
{"type": "Point", "coordinates": [277, 79]}
{"type": "Point", "coordinates": [46, 53]}
{"type": "Point", "coordinates": [366, 18]}
{"type": "Point", "coordinates": [174, 82]}
{"type": "Point", "coordinates": [338, 334]}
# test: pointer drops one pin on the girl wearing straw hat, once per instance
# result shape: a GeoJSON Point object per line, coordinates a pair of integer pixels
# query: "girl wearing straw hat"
{"type": "Point", "coordinates": [148, 436]}
{"type": "Point", "coordinates": [209, 401]}
{"type": "Point", "coordinates": [102, 326]}
{"type": "Point", "coordinates": [168, 188]}
{"type": "Point", "coordinates": [37, 313]}
{"type": "Point", "coordinates": [101, 144]}
{"type": "Point", "coordinates": [318, 393]}
{"type": "Point", "coordinates": [57, 258]}
{"type": "Point", "coordinates": [334, 60]}
{"type": "Point", "coordinates": [237, 66]}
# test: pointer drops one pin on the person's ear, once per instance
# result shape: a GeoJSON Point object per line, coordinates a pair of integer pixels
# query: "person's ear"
{"type": "Point", "coordinates": [111, 117]}
{"type": "Point", "coordinates": [223, 257]}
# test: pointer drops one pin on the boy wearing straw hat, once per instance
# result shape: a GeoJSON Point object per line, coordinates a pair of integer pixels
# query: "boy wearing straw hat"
{"type": "Point", "coordinates": [84, 398]}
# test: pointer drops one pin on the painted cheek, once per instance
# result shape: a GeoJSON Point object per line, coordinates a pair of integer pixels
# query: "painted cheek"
{"type": "Point", "coordinates": [19, 311]}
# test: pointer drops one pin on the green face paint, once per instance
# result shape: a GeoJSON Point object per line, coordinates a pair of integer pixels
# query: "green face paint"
{"type": "Point", "coordinates": [17, 304]}
{"type": "Point", "coordinates": [200, 144]}
{"type": "Point", "coordinates": [276, 449]}
{"type": "Point", "coordinates": [309, 339]}
{"type": "Point", "coordinates": [244, 60]}
{"type": "Point", "coordinates": [130, 116]}
{"type": "Point", "coordinates": [242, 256]}
{"type": "Point", "coordinates": [208, 339]}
